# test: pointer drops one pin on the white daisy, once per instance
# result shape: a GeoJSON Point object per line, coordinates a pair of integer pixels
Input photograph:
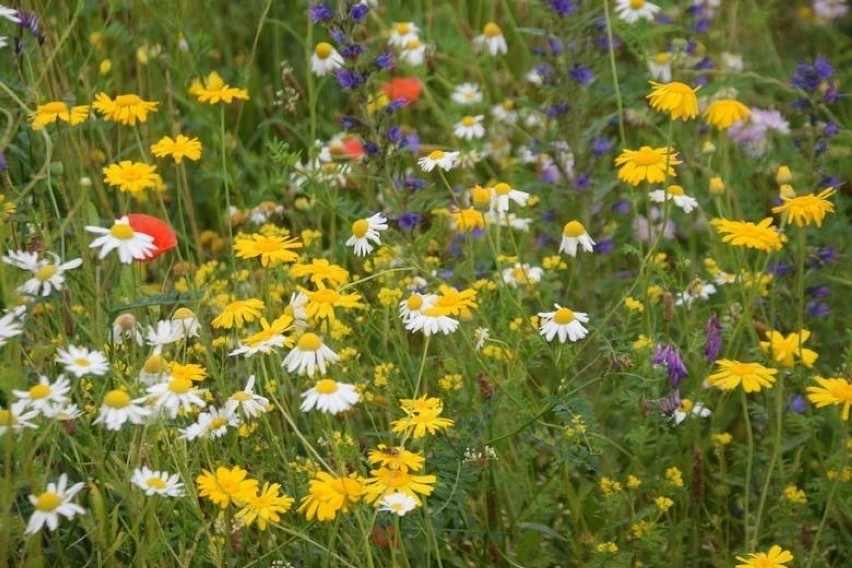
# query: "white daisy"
{"type": "Point", "coordinates": [469, 127]}
{"type": "Point", "coordinates": [398, 503]}
{"type": "Point", "coordinates": [124, 327]}
{"type": "Point", "coordinates": [63, 413]}
{"type": "Point", "coordinates": [309, 355]}
{"type": "Point", "coordinates": [505, 113]}
{"type": "Point", "coordinates": [413, 53]}
{"type": "Point", "coordinates": [674, 193]}
{"type": "Point", "coordinates": [573, 235]}
{"type": "Point", "coordinates": [329, 396]}
{"type": "Point", "coordinates": [366, 230]}
{"type": "Point", "coordinates": [502, 193]}
{"type": "Point", "coordinates": [522, 275]}
{"type": "Point", "coordinates": [631, 11]}
{"type": "Point", "coordinates": [466, 94]}
{"type": "Point", "coordinates": [688, 408]}
{"type": "Point", "coordinates": [415, 303]}
{"type": "Point", "coordinates": [402, 33]}
{"type": "Point", "coordinates": [213, 424]}
{"type": "Point", "coordinates": [175, 394]}
{"type": "Point", "coordinates": [431, 320]}
{"type": "Point", "coordinates": [444, 160]}
{"type": "Point", "coordinates": [10, 325]}
{"type": "Point", "coordinates": [660, 66]}
{"type": "Point", "coordinates": [480, 336]}
{"type": "Point", "coordinates": [10, 14]}
{"type": "Point", "coordinates": [131, 245]}
{"type": "Point", "coordinates": [154, 370]}
{"type": "Point", "coordinates": [81, 361]}
{"type": "Point", "coordinates": [47, 276]}
{"type": "Point", "coordinates": [325, 59]}
{"type": "Point", "coordinates": [118, 408]}
{"type": "Point", "coordinates": [16, 418]}
{"type": "Point", "coordinates": [165, 332]}
{"type": "Point", "coordinates": [298, 309]}
{"type": "Point", "coordinates": [491, 40]}
{"type": "Point", "coordinates": [732, 61]}
{"type": "Point", "coordinates": [511, 220]}
{"type": "Point", "coordinates": [251, 404]}
{"type": "Point", "coordinates": [45, 396]}
{"type": "Point", "coordinates": [55, 501]}
{"type": "Point", "coordinates": [696, 290]}
{"type": "Point", "coordinates": [187, 322]}
{"type": "Point", "coordinates": [565, 323]}
{"type": "Point", "coordinates": [157, 482]}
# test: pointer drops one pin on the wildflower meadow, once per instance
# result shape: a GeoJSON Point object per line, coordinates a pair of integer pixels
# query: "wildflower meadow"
{"type": "Point", "coordinates": [527, 283]}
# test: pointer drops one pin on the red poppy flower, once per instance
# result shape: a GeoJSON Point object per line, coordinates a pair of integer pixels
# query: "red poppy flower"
{"type": "Point", "coordinates": [353, 148]}
{"type": "Point", "coordinates": [163, 235]}
{"type": "Point", "coordinates": [408, 88]}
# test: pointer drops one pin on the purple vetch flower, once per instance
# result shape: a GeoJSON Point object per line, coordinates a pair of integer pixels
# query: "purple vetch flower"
{"type": "Point", "coordinates": [601, 146]}
{"type": "Point", "coordinates": [395, 134]}
{"type": "Point", "coordinates": [604, 246]}
{"type": "Point", "coordinates": [797, 403]}
{"type": "Point", "coordinates": [778, 269]}
{"type": "Point", "coordinates": [358, 12]}
{"type": "Point", "coordinates": [555, 45]}
{"type": "Point", "coordinates": [3, 165]}
{"type": "Point", "coordinates": [410, 183]}
{"type": "Point", "coordinates": [408, 220]}
{"type": "Point", "coordinates": [821, 257]}
{"type": "Point", "coordinates": [348, 79]}
{"type": "Point", "coordinates": [384, 61]}
{"type": "Point", "coordinates": [563, 7]}
{"type": "Point", "coordinates": [583, 182]}
{"type": "Point", "coordinates": [320, 13]}
{"type": "Point", "coordinates": [831, 130]}
{"type": "Point", "coordinates": [582, 74]}
{"type": "Point", "coordinates": [818, 291]}
{"type": "Point", "coordinates": [352, 50]}
{"type": "Point", "coordinates": [558, 109]}
{"type": "Point", "coordinates": [712, 338]}
{"type": "Point", "coordinates": [817, 309]}
{"type": "Point", "coordinates": [30, 22]}
{"type": "Point", "coordinates": [668, 356]}
{"type": "Point", "coordinates": [337, 35]}
{"type": "Point", "coordinates": [622, 207]}
{"type": "Point", "coordinates": [348, 122]}
{"type": "Point", "coordinates": [371, 148]}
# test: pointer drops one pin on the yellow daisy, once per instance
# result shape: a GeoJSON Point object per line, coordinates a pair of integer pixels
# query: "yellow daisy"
{"type": "Point", "coordinates": [807, 209]}
{"type": "Point", "coordinates": [213, 90]}
{"type": "Point", "coordinates": [178, 148]}
{"type": "Point", "coordinates": [833, 390]}
{"type": "Point", "coordinates": [761, 236]}
{"type": "Point", "coordinates": [678, 99]}
{"type": "Point", "coordinates": [751, 376]}
{"type": "Point", "coordinates": [270, 248]}
{"type": "Point", "coordinates": [124, 109]}
{"type": "Point", "coordinates": [653, 165]}
{"type": "Point", "coordinates": [725, 112]}
{"type": "Point", "coordinates": [54, 111]}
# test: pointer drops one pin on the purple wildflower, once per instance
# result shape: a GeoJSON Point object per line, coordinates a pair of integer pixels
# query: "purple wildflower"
{"type": "Point", "coordinates": [713, 339]}
{"type": "Point", "coordinates": [408, 220]}
{"type": "Point", "coordinates": [563, 7]}
{"type": "Point", "coordinates": [817, 309]}
{"type": "Point", "coordinates": [582, 74]}
{"type": "Point", "coordinates": [668, 356]}
{"type": "Point", "coordinates": [358, 12]}
{"type": "Point", "coordinates": [320, 13]}
{"type": "Point", "coordinates": [798, 404]}
{"type": "Point", "coordinates": [348, 79]}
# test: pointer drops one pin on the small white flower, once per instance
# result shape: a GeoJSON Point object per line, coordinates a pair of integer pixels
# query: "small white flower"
{"type": "Point", "coordinates": [157, 482]}
{"type": "Point", "coordinates": [431, 320]}
{"type": "Point", "coordinates": [511, 220]}
{"type": "Point", "coordinates": [118, 408]}
{"type": "Point", "coordinates": [47, 277]}
{"type": "Point", "coordinates": [398, 503]}
{"type": "Point", "coordinates": [660, 66]}
{"type": "Point", "coordinates": [444, 160]}
{"type": "Point", "coordinates": [187, 322]}
{"type": "Point", "coordinates": [574, 235]}
{"type": "Point", "coordinates": [81, 361]}
{"type": "Point", "coordinates": [213, 424]}
{"type": "Point", "coordinates": [175, 394]}
{"type": "Point", "coordinates": [124, 327]}
{"type": "Point", "coordinates": [480, 336]}
{"type": "Point", "coordinates": [413, 53]}
{"type": "Point", "coordinates": [325, 59]}
{"type": "Point", "coordinates": [696, 290]}
{"type": "Point", "coordinates": [687, 408]}
{"type": "Point", "coordinates": [10, 14]}
{"type": "Point", "coordinates": [466, 94]}
{"type": "Point", "coordinates": [503, 193]}
{"type": "Point", "coordinates": [491, 40]}
{"type": "Point", "coordinates": [469, 127]}
{"type": "Point", "coordinates": [45, 396]}
{"type": "Point", "coordinates": [631, 11]}
{"type": "Point", "coordinates": [16, 418]}
{"type": "Point", "coordinates": [505, 113]}
{"type": "Point", "coordinates": [131, 245]}
{"type": "Point", "coordinates": [674, 193]}
{"type": "Point", "coordinates": [522, 275]}
{"type": "Point", "coordinates": [55, 501]}
{"type": "Point", "coordinates": [309, 355]}
{"type": "Point", "coordinates": [402, 33]}
{"type": "Point", "coordinates": [298, 308]}
{"type": "Point", "coordinates": [10, 325]}
{"type": "Point", "coordinates": [565, 323]}
{"type": "Point", "coordinates": [63, 413]}
{"type": "Point", "coordinates": [164, 333]}
{"type": "Point", "coordinates": [250, 403]}
{"type": "Point", "coordinates": [732, 61]}
{"type": "Point", "coordinates": [329, 396]}
{"type": "Point", "coordinates": [366, 230]}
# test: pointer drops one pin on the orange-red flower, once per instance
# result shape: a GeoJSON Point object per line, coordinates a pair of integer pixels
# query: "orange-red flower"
{"type": "Point", "coordinates": [408, 88]}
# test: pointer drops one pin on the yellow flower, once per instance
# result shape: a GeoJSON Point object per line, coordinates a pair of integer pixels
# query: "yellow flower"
{"type": "Point", "coordinates": [609, 486]}
{"type": "Point", "coordinates": [832, 390]}
{"type": "Point", "coordinates": [423, 417]}
{"type": "Point", "coordinates": [723, 113]}
{"type": "Point", "coordinates": [226, 486]}
{"type": "Point", "coordinates": [189, 372]}
{"type": "Point", "coordinates": [385, 481]}
{"type": "Point", "coordinates": [608, 547]}
{"type": "Point", "coordinates": [775, 558]}
{"type": "Point", "coordinates": [761, 236]}
{"type": "Point", "coordinates": [265, 506]}
{"type": "Point", "coordinates": [214, 90]}
{"type": "Point", "coordinates": [455, 302]}
{"type": "Point", "coordinates": [752, 376]}
{"type": "Point", "coordinates": [674, 476]}
{"type": "Point", "coordinates": [807, 209]}
{"type": "Point", "coordinates": [663, 503]}
{"type": "Point", "coordinates": [178, 148]}
{"type": "Point", "coordinates": [396, 458]}
{"type": "Point", "coordinates": [322, 302]}
{"type": "Point", "coordinates": [633, 304]}
{"type": "Point", "coordinates": [321, 271]}
{"type": "Point", "coordinates": [58, 111]}
{"type": "Point", "coordinates": [237, 313]}
{"type": "Point", "coordinates": [783, 349]}
{"type": "Point", "coordinates": [795, 495]}
{"type": "Point", "coordinates": [678, 99]}
{"type": "Point", "coordinates": [125, 109]}
{"type": "Point", "coordinates": [132, 177]}
{"type": "Point", "coordinates": [330, 495]}
{"type": "Point", "coordinates": [272, 249]}
{"type": "Point", "coordinates": [468, 219]}
{"type": "Point", "coordinates": [653, 165]}
{"type": "Point", "coordinates": [722, 439]}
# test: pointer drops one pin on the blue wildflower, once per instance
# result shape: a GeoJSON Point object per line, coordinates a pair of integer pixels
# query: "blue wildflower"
{"type": "Point", "coordinates": [563, 7]}
{"type": "Point", "coordinates": [320, 13]}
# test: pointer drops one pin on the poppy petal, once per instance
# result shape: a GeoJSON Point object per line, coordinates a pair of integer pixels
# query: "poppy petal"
{"type": "Point", "coordinates": [163, 235]}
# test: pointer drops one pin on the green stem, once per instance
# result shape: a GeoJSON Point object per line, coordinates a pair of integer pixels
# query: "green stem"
{"type": "Point", "coordinates": [749, 460]}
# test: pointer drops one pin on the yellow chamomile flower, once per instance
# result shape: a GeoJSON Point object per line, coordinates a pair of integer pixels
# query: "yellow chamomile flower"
{"type": "Point", "coordinates": [653, 165]}
{"type": "Point", "coordinates": [423, 416]}
{"type": "Point", "coordinates": [783, 349]}
{"type": "Point", "coordinates": [833, 390]}
{"type": "Point", "coordinates": [325, 59]}
{"type": "Point", "coordinates": [213, 90]}
{"type": "Point", "coordinates": [365, 231]}
{"type": "Point", "coordinates": [272, 249]}
{"type": "Point", "coordinates": [574, 235]}
{"type": "Point", "coordinates": [53, 502]}
{"type": "Point", "coordinates": [723, 113]}
{"type": "Point", "coordinates": [58, 111]}
{"type": "Point", "coordinates": [631, 11]}
{"type": "Point", "coordinates": [321, 272]}
{"type": "Point", "coordinates": [751, 376]}
{"type": "Point", "coordinates": [177, 148]}
{"type": "Point", "coordinates": [491, 40]}
{"type": "Point", "coordinates": [807, 209]}
{"type": "Point", "coordinates": [237, 313]}
{"type": "Point", "coordinates": [677, 99]}
{"type": "Point", "coordinates": [384, 482]}
{"type": "Point", "coordinates": [124, 109]}
{"type": "Point", "coordinates": [564, 323]}
{"type": "Point", "coordinates": [775, 558]}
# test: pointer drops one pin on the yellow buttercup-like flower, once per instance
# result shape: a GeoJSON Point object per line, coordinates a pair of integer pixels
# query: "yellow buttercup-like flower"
{"type": "Point", "coordinates": [725, 112]}
{"type": "Point", "coordinates": [775, 558]}
{"type": "Point", "coordinates": [330, 495]}
{"type": "Point", "coordinates": [677, 99]}
{"type": "Point", "coordinates": [783, 349]}
{"type": "Point", "coordinates": [761, 236]}
{"type": "Point", "coordinates": [132, 177]}
{"type": "Point", "coordinates": [177, 148]}
{"type": "Point", "coordinates": [833, 390]}
{"type": "Point", "coordinates": [226, 486]}
{"type": "Point", "coordinates": [270, 249]}
{"type": "Point", "coordinates": [653, 165]}
{"type": "Point", "coordinates": [807, 209]}
{"type": "Point", "coordinates": [58, 111]}
{"type": "Point", "coordinates": [213, 90]}
{"type": "Point", "coordinates": [124, 109]}
{"type": "Point", "coordinates": [751, 376]}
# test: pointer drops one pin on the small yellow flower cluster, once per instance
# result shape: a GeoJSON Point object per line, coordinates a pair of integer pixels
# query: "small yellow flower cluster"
{"type": "Point", "coordinates": [674, 477]}
{"type": "Point", "coordinates": [795, 495]}
{"type": "Point", "coordinates": [450, 382]}
{"type": "Point", "coordinates": [609, 487]}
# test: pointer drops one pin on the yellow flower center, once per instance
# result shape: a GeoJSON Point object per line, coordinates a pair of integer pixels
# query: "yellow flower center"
{"type": "Point", "coordinates": [402, 28]}
{"type": "Point", "coordinates": [636, 4]}
{"type": "Point", "coordinates": [182, 314]}
{"type": "Point", "coordinates": [502, 188]}
{"type": "Point", "coordinates": [508, 105]}
{"type": "Point", "coordinates": [662, 58]}
{"type": "Point", "coordinates": [155, 365]}
{"type": "Point", "coordinates": [414, 303]}
{"type": "Point", "coordinates": [40, 391]}
{"type": "Point", "coordinates": [492, 30]}
{"type": "Point", "coordinates": [46, 272]}
{"type": "Point", "coordinates": [241, 396]}
{"type": "Point", "coordinates": [218, 422]}
{"type": "Point", "coordinates": [7, 418]}
{"type": "Point", "coordinates": [323, 50]}
{"type": "Point", "coordinates": [468, 121]}
{"type": "Point", "coordinates": [361, 226]}
{"type": "Point", "coordinates": [740, 369]}
{"type": "Point", "coordinates": [675, 190]}
{"type": "Point", "coordinates": [519, 274]}
{"type": "Point", "coordinates": [436, 155]}
{"type": "Point", "coordinates": [326, 386]}
{"type": "Point", "coordinates": [48, 502]}
{"type": "Point", "coordinates": [117, 399]}
{"type": "Point", "coordinates": [267, 245]}
{"type": "Point", "coordinates": [686, 405]}
{"type": "Point", "coordinates": [81, 362]}
{"type": "Point", "coordinates": [309, 342]}
{"type": "Point", "coordinates": [480, 195]}
{"type": "Point", "coordinates": [155, 482]}
{"type": "Point", "coordinates": [326, 296]}
{"type": "Point", "coordinates": [413, 44]}
{"type": "Point", "coordinates": [646, 156]}
{"type": "Point", "coordinates": [122, 232]}
{"type": "Point", "coordinates": [563, 316]}
{"type": "Point", "coordinates": [573, 229]}
{"type": "Point", "coordinates": [55, 107]}
{"type": "Point", "coordinates": [180, 385]}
